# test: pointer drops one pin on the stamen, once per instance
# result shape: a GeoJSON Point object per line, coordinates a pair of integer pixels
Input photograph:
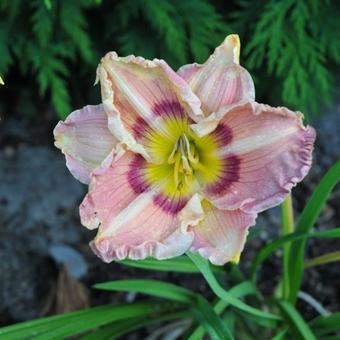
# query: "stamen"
{"type": "Point", "coordinates": [177, 168]}
{"type": "Point", "coordinates": [171, 158]}
{"type": "Point", "coordinates": [185, 159]}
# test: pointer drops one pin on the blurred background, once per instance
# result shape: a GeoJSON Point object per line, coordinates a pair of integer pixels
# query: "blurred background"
{"type": "Point", "coordinates": [49, 51]}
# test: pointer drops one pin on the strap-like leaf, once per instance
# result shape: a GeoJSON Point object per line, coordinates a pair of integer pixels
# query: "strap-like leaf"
{"type": "Point", "coordinates": [240, 290]}
{"type": "Point", "coordinates": [323, 259]}
{"type": "Point", "coordinates": [201, 309]}
{"type": "Point", "coordinates": [326, 324]}
{"type": "Point", "coordinates": [203, 266]}
{"type": "Point", "coordinates": [276, 244]}
{"type": "Point", "coordinates": [209, 319]}
{"type": "Point", "coordinates": [156, 288]}
{"type": "Point", "coordinates": [297, 325]}
{"type": "Point", "coordinates": [117, 329]}
{"type": "Point", "coordinates": [76, 322]}
{"type": "Point", "coordinates": [305, 223]}
{"type": "Point", "coordinates": [181, 264]}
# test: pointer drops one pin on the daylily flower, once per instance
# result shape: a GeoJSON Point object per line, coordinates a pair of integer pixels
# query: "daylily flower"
{"type": "Point", "coordinates": [181, 161]}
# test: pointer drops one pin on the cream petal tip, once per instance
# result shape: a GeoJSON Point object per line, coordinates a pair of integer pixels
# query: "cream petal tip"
{"type": "Point", "coordinates": [233, 41]}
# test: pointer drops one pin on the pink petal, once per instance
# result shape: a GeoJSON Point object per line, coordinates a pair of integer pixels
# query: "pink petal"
{"type": "Point", "coordinates": [221, 234]}
{"type": "Point", "coordinates": [268, 151]}
{"type": "Point", "coordinates": [85, 140]}
{"type": "Point", "coordinates": [220, 80]}
{"type": "Point", "coordinates": [139, 93]}
{"type": "Point", "coordinates": [134, 219]}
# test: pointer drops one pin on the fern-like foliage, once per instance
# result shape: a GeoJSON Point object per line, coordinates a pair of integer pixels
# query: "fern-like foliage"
{"type": "Point", "coordinates": [295, 41]}
{"type": "Point", "coordinates": [291, 47]}
{"type": "Point", "coordinates": [40, 37]}
{"type": "Point", "coordinates": [180, 31]}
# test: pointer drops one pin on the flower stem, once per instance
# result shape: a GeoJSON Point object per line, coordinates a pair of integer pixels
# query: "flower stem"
{"type": "Point", "coordinates": [287, 217]}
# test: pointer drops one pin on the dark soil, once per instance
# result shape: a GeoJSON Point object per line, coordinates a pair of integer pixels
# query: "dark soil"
{"type": "Point", "coordinates": [40, 231]}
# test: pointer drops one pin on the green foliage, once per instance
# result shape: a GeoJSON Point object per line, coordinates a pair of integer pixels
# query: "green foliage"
{"type": "Point", "coordinates": [279, 242]}
{"type": "Point", "coordinates": [205, 269]}
{"type": "Point", "coordinates": [166, 30]}
{"type": "Point", "coordinates": [152, 287]}
{"type": "Point", "coordinates": [61, 326]}
{"type": "Point", "coordinates": [180, 264]}
{"type": "Point", "coordinates": [333, 256]}
{"type": "Point", "coordinates": [305, 224]}
{"type": "Point", "coordinates": [295, 41]}
{"type": "Point", "coordinates": [299, 327]}
{"type": "Point", "coordinates": [291, 47]}
{"type": "Point", "coordinates": [326, 324]}
{"type": "Point", "coordinates": [40, 38]}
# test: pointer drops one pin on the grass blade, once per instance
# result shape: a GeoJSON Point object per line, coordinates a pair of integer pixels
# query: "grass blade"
{"type": "Point", "coordinates": [243, 289]}
{"type": "Point", "coordinates": [69, 324]}
{"type": "Point", "coordinates": [209, 319]}
{"type": "Point", "coordinates": [326, 324]}
{"type": "Point", "coordinates": [156, 288]}
{"type": "Point", "coordinates": [203, 266]}
{"type": "Point", "coordinates": [297, 325]}
{"type": "Point", "coordinates": [323, 259]}
{"type": "Point", "coordinates": [180, 264]}
{"type": "Point", "coordinates": [200, 307]}
{"type": "Point", "coordinates": [117, 329]}
{"type": "Point", "coordinates": [281, 335]}
{"type": "Point", "coordinates": [276, 244]}
{"type": "Point", "coordinates": [287, 228]}
{"type": "Point", "coordinates": [305, 223]}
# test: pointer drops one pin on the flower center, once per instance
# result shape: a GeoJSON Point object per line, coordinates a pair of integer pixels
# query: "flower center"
{"type": "Point", "coordinates": [185, 160]}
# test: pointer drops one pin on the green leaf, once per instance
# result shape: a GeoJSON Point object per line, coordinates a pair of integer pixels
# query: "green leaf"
{"type": "Point", "coordinates": [176, 36]}
{"type": "Point", "coordinates": [281, 335]}
{"type": "Point", "coordinates": [48, 4]}
{"type": "Point", "coordinates": [151, 287]}
{"type": "Point", "coordinates": [209, 319]}
{"type": "Point", "coordinates": [6, 58]}
{"type": "Point", "coordinates": [323, 259]}
{"type": "Point", "coordinates": [326, 324]}
{"type": "Point", "coordinates": [60, 96]}
{"type": "Point", "coordinates": [203, 266]}
{"type": "Point", "coordinates": [285, 39]}
{"type": "Point", "coordinates": [205, 26]}
{"type": "Point", "coordinates": [287, 228]}
{"type": "Point", "coordinates": [74, 24]}
{"type": "Point", "coordinates": [306, 222]}
{"type": "Point", "coordinates": [318, 199]}
{"type": "Point", "coordinates": [181, 264]}
{"type": "Point", "coordinates": [243, 289]}
{"type": "Point", "coordinates": [276, 244]}
{"type": "Point", "coordinates": [162, 18]}
{"type": "Point", "coordinates": [117, 329]}
{"type": "Point", "coordinates": [297, 325]}
{"type": "Point", "coordinates": [42, 21]}
{"type": "Point", "coordinates": [200, 306]}
{"type": "Point", "coordinates": [69, 324]}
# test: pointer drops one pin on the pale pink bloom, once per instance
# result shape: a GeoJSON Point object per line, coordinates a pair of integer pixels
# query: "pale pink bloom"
{"type": "Point", "coordinates": [181, 161]}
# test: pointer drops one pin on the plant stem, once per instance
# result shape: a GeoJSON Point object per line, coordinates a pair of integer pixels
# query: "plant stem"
{"type": "Point", "coordinates": [287, 216]}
